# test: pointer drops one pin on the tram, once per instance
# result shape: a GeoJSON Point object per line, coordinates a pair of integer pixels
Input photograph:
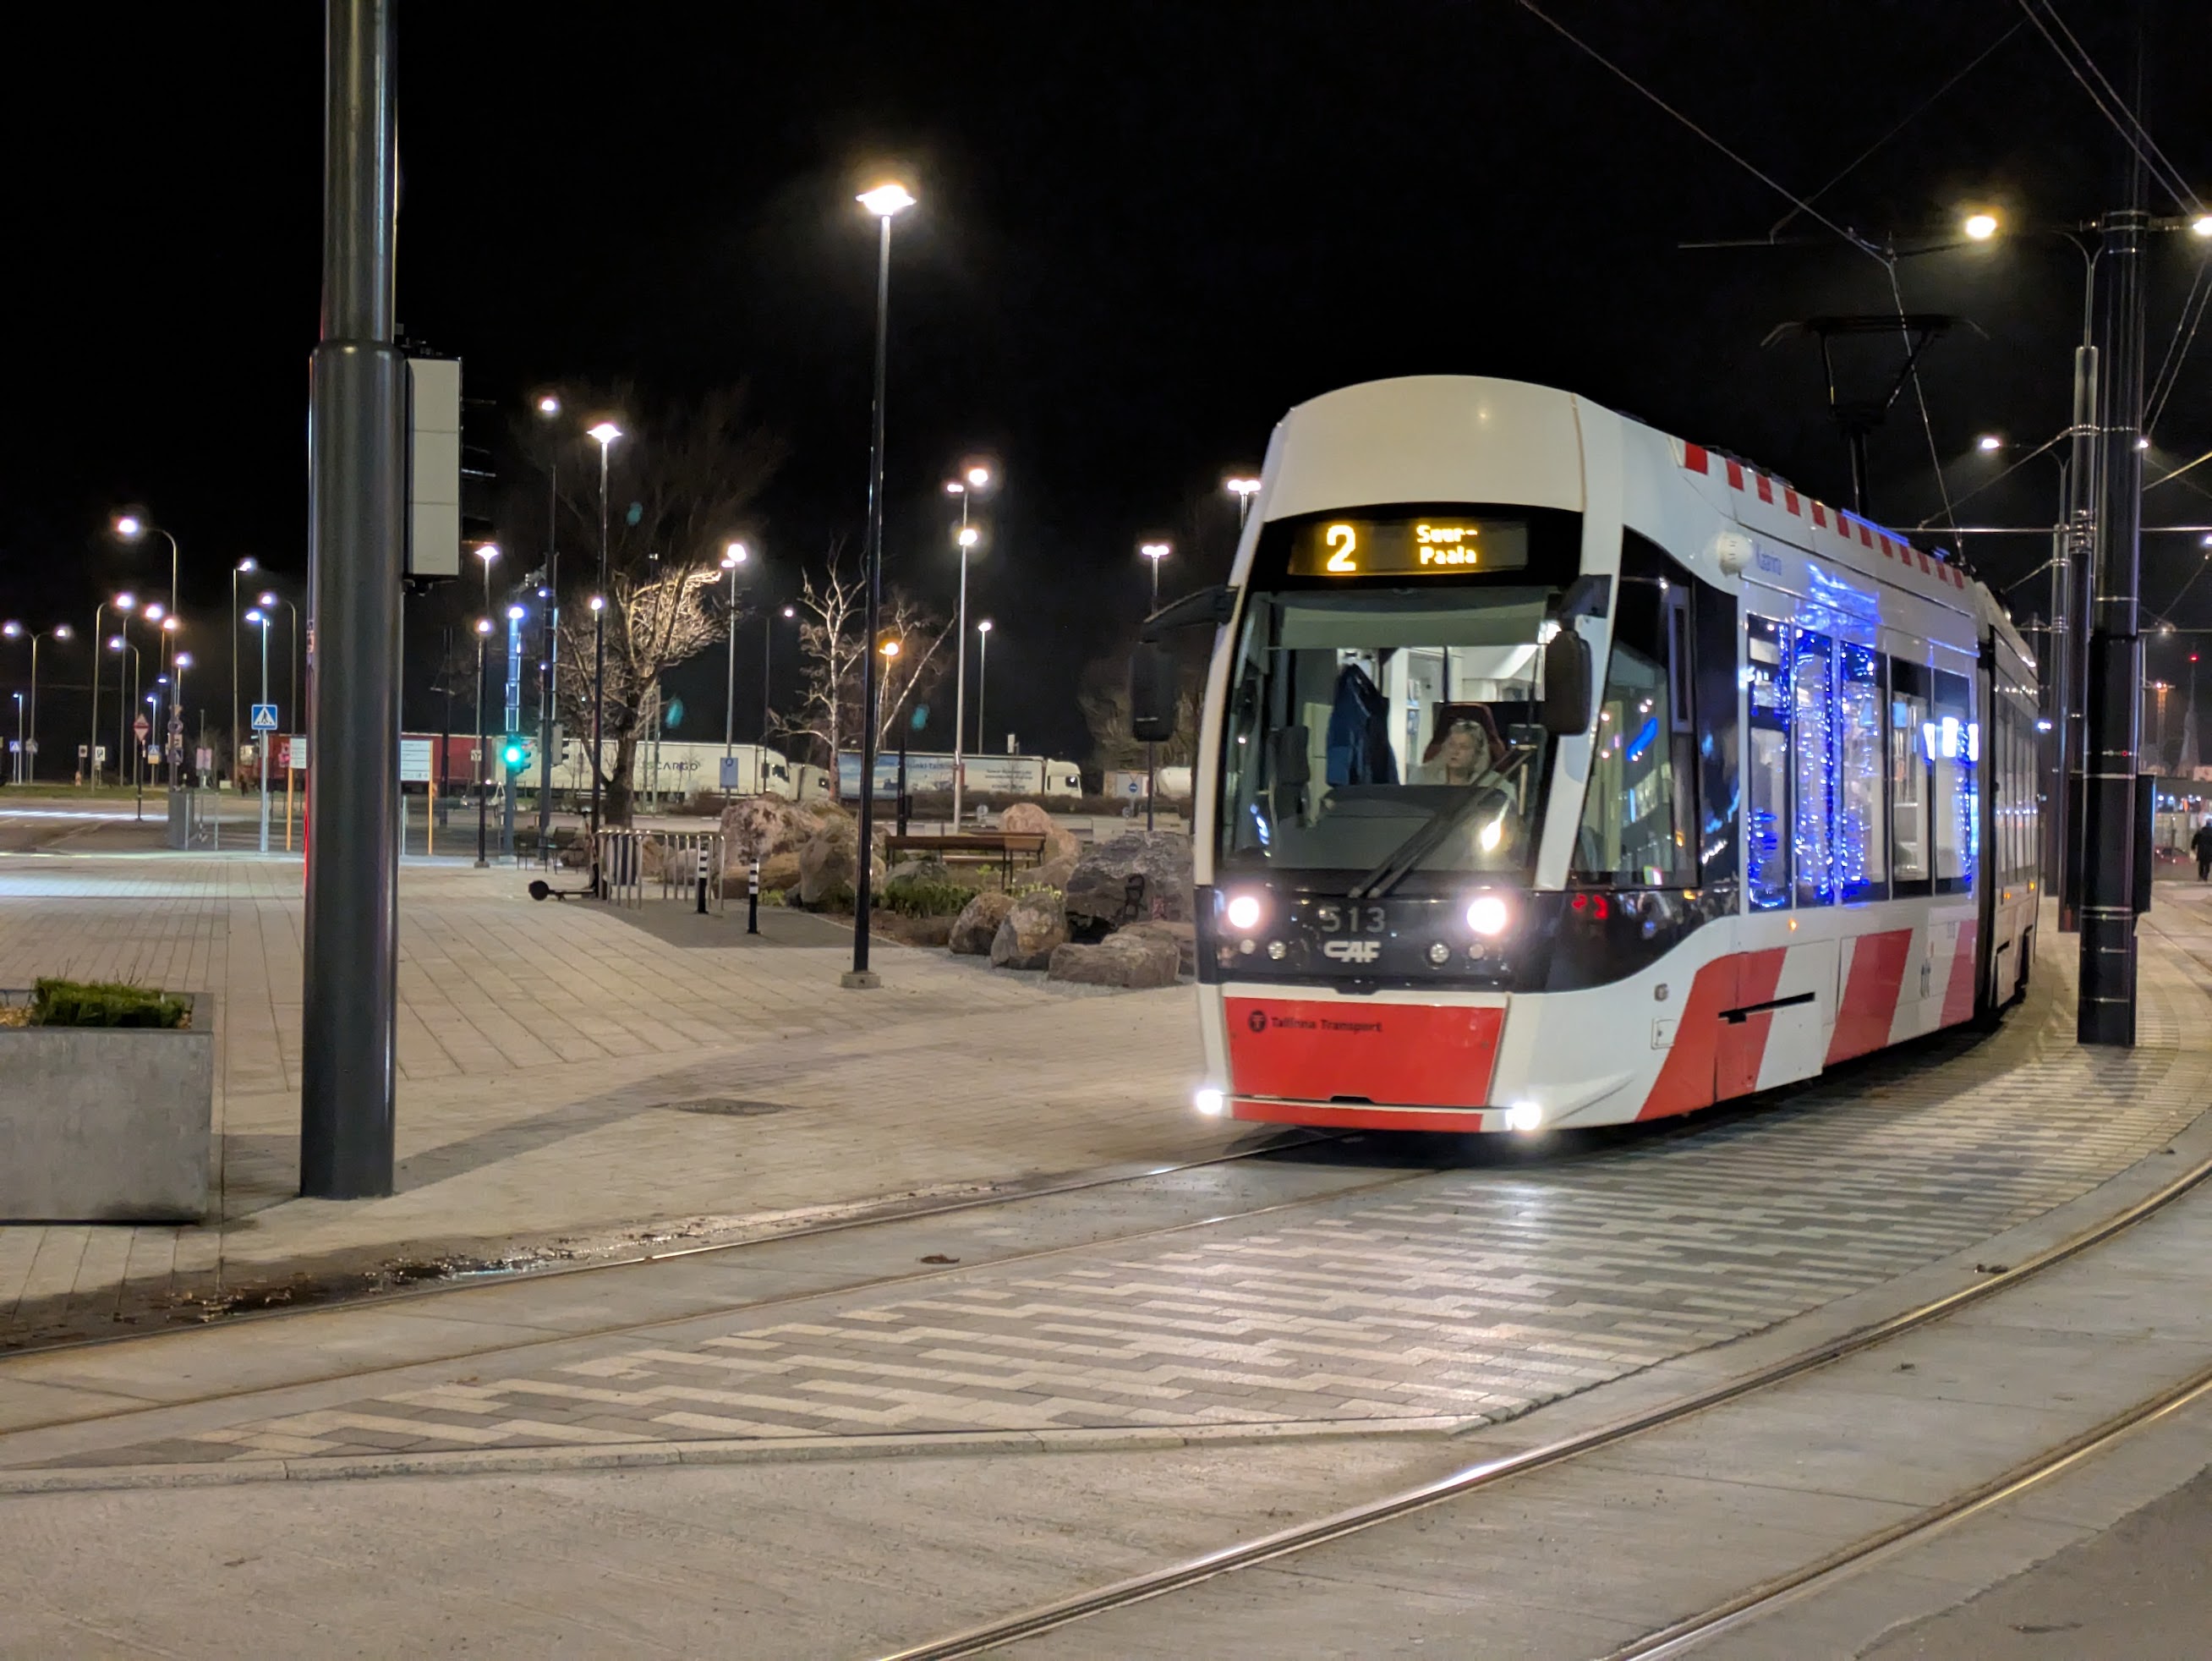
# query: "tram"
{"type": "Point", "coordinates": [1558, 772]}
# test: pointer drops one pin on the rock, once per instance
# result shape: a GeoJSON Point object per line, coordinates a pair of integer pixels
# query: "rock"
{"type": "Point", "coordinates": [779, 871]}
{"type": "Point", "coordinates": [830, 858]}
{"type": "Point", "coordinates": [1184, 936]}
{"type": "Point", "coordinates": [1028, 933]}
{"type": "Point", "coordinates": [977, 925]}
{"type": "Point", "coordinates": [930, 869]}
{"type": "Point", "coordinates": [1026, 818]}
{"type": "Point", "coordinates": [1140, 877]}
{"type": "Point", "coordinates": [1129, 958]}
{"type": "Point", "coordinates": [756, 827]}
{"type": "Point", "coordinates": [1054, 873]}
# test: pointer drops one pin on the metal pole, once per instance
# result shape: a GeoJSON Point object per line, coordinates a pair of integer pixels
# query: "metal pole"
{"type": "Point", "coordinates": [234, 671]}
{"type": "Point", "coordinates": [982, 673]}
{"type": "Point", "coordinates": [1152, 750]}
{"type": "Point", "coordinates": [357, 452]}
{"type": "Point", "coordinates": [137, 750]}
{"type": "Point", "coordinates": [480, 803]}
{"type": "Point", "coordinates": [546, 678]}
{"type": "Point", "coordinates": [30, 746]}
{"type": "Point", "coordinates": [92, 742]}
{"type": "Point", "coordinates": [2109, 758]}
{"type": "Point", "coordinates": [2071, 584]}
{"type": "Point", "coordinates": [263, 740]}
{"type": "Point", "coordinates": [860, 975]}
{"type": "Point", "coordinates": [768, 652]}
{"type": "Point", "coordinates": [598, 671]}
{"type": "Point", "coordinates": [730, 707]}
{"type": "Point", "coordinates": [960, 678]}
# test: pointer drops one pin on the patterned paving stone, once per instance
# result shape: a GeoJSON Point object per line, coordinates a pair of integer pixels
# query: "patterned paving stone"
{"type": "Point", "coordinates": [1464, 1294]}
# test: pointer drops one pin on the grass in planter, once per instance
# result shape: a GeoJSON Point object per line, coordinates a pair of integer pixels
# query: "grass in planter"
{"type": "Point", "coordinates": [921, 898]}
{"type": "Point", "coordinates": [56, 1002]}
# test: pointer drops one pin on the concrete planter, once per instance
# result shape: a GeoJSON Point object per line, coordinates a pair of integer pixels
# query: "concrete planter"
{"type": "Point", "coordinates": [106, 1124]}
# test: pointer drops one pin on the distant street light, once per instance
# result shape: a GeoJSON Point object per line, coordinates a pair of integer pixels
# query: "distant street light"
{"type": "Point", "coordinates": [14, 630]}
{"type": "Point", "coordinates": [1981, 226]}
{"type": "Point", "coordinates": [983, 663]}
{"type": "Point", "coordinates": [976, 476]}
{"type": "Point", "coordinates": [130, 527]}
{"type": "Point", "coordinates": [1243, 489]}
{"type": "Point", "coordinates": [1154, 551]}
{"type": "Point", "coordinates": [1988, 442]}
{"type": "Point", "coordinates": [2202, 225]}
{"type": "Point", "coordinates": [733, 556]}
{"type": "Point", "coordinates": [886, 201]}
{"type": "Point", "coordinates": [483, 637]}
{"type": "Point", "coordinates": [767, 653]}
{"type": "Point", "coordinates": [260, 620]}
{"type": "Point", "coordinates": [548, 404]}
{"type": "Point", "coordinates": [244, 567]}
{"type": "Point", "coordinates": [605, 433]}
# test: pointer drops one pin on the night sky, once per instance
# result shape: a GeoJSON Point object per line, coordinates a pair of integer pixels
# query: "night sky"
{"type": "Point", "coordinates": [1145, 230]}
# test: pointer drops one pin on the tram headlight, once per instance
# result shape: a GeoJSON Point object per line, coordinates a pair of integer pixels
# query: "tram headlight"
{"type": "Point", "coordinates": [1524, 1117]}
{"type": "Point", "coordinates": [1243, 912]}
{"type": "Point", "coordinates": [1487, 916]}
{"type": "Point", "coordinates": [1210, 1102]}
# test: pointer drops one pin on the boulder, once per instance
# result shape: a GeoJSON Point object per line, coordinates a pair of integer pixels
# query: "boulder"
{"type": "Point", "coordinates": [1184, 936]}
{"type": "Point", "coordinates": [977, 925]}
{"type": "Point", "coordinates": [829, 859]}
{"type": "Point", "coordinates": [1054, 873]}
{"type": "Point", "coordinates": [1129, 958]}
{"type": "Point", "coordinates": [757, 827]}
{"type": "Point", "coordinates": [1026, 818]}
{"type": "Point", "coordinates": [780, 871]}
{"type": "Point", "coordinates": [1140, 877]}
{"type": "Point", "coordinates": [1033, 924]}
{"type": "Point", "coordinates": [928, 869]}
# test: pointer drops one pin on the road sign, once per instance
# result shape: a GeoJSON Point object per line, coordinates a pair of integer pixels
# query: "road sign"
{"type": "Point", "coordinates": [141, 727]}
{"type": "Point", "coordinates": [414, 760]}
{"type": "Point", "coordinates": [295, 753]}
{"type": "Point", "coordinates": [264, 717]}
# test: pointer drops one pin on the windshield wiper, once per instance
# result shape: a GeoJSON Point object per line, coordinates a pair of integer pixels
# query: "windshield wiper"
{"type": "Point", "coordinates": [1430, 835]}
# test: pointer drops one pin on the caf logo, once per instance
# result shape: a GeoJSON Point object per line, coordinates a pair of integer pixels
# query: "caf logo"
{"type": "Point", "coordinates": [1257, 1020]}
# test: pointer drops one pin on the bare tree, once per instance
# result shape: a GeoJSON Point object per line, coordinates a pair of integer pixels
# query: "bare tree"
{"type": "Point", "coordinates": [831, 634]}
{"type": "Point", "coordinates": [682, 483]}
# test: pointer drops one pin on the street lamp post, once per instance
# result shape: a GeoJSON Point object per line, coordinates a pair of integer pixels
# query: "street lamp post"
{"type": "Point", "coordinates": [119, 644]}
{"type": "Point", "coordinates": [768, 648]}
{"type": "Point", "coordinates": [1154, 552]}
{"type": "Point", "coordinates": [973, 478]}
{"type": "Point", "coordinates": [260, 620]}
{"type": "Point", "coordinates": [246, 567]}
{"type": "Point", "coordinates": [131, 528]}
{"type": "Point", "coordinates": [182, 661]}
{"type": "Point", "coordinates": [92, 746]}
{"type": "Point", "coordinates": [484, 635]}
{"type": "Point", "coordinates": [29, 747]}
{"type": "Point", "coordinates": [549, 409]}
{"type": "Point", "coordinates": [1243, 488]}
{"type": "Point", "coordinates": [606, 433]}
{"type": "Point", "coordinates": [982, 665]}
{"type": "Point", "coordinates": [20, 757]}
{"type": "Point", "coordinates": [885, 201]}
{"type": "Point", "coordinates": [732, 557]}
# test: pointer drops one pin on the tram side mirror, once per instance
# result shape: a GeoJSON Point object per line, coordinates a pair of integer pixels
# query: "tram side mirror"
{"type": "Point", "coordinates": [1567, 683]}
{"type": "Point", "coordinates": [1291, 755]}
{"type": "Point", "coordinates": [1153, 689]}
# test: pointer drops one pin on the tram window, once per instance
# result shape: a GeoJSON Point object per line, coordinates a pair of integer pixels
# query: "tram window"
{"type": "Point", "coordinates": [1766, 764]}
{"type": "Point", "coordinates": [1635, 828]}
{"type": "Point", "coordinates": [1813, 699]}
{"type": "Point", "coordinates": [1718, 691]}
{"type": "Point", "coordinates": [1908, 774]}
{"type": "Point", "coordinates": [1862, 852]}
{"type": "Point", "coordinates": [1952, 742]}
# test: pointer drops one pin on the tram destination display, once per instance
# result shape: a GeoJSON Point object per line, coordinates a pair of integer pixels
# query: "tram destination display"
{"type": "Point", "coordinates": [1429, 544]}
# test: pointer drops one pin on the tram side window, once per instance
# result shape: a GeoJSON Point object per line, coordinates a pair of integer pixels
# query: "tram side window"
{"type": "Point", "coordinates": [1636, 809]}
{"type": "Point", "coordinates": [1861, 824]}
{"type": "Point", "coordinates": [1952, 742]}
{"type": "Point", "coordinates": [1766, 764]}
{"type": "Point", "coordinates": [1908, 776]}
{"type": "Point", "coordinates": [1812, 699]}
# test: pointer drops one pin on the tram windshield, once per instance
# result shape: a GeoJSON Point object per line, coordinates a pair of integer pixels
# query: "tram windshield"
{"type": "Point", "coordinates": [1385, 728]}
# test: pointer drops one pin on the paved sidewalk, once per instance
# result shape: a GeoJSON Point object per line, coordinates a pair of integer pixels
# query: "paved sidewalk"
{"type": "Point", "coordinates": [570, 1084]}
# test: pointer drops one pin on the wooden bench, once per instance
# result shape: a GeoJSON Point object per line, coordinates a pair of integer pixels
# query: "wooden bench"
{"type": "Point", "coordinates": [981, 847]}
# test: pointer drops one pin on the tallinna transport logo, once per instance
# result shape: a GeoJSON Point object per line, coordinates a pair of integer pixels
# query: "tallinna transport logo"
{"type": "Point", "coordinates": [1257, 1020]}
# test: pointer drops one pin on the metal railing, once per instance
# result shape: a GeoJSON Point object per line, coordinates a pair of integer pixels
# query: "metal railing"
{"type": "Point", "coordinates": [628, 859]}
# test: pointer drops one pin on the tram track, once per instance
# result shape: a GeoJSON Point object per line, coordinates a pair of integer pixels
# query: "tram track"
{"type": "Point", "coordinates": [504, 1342]}
{"type": "Point", "coordinates": [1473, 1480]}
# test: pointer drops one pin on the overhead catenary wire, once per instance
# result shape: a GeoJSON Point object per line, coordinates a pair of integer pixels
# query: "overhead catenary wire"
{"type": "Point", "coordinates": [2178, 349]}
{"type": "Point", "coordinates": [2123, 119]}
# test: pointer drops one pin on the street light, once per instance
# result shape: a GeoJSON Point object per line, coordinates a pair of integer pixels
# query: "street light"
{"type": "Point", "coordinates": [982, 664]}
{"type": "Point", "coordinates": [549, 408]}
{"type": "Point", "coordinates": [1243, 488]}
{"type": "Point", "coordinates": [2202, 225]}
{"type": "Point", "coordinates": [1154, 551]}
{"type": "Point", "coordinates": [733, 556]}
{"type": "Point", "coordinates": [246, 567]}
{"type": "Point", "coordinates": [548, 404]}
{"type": "Point", "coordinates": [885, 202]}
{"type": "Point", "coordinates": [768, 650]}
{"type": "Point", "coordinates": [1987, 443]}
{"type": "Point", "coordinates": [976, 476]}
{"type": "Point", "coordinates": [604, 433]}
{"type": "Point", "coordinates": [1980, 227]}
{"type": "Point", "coordinates": [130, 527]}
{"type": "Point", "coordinates": [260, 620]}
{"type": "Point", "coordinates": [269, 601]}
{"type": "Point", "coordinates": [484, 635]}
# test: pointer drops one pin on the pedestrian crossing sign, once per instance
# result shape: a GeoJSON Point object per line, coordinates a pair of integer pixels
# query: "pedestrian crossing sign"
{"type": "Point", "coordinates": [264, 717]}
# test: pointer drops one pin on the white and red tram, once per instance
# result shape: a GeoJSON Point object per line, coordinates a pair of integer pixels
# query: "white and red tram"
{"type": "Point", "coordinates": [1556, 772]}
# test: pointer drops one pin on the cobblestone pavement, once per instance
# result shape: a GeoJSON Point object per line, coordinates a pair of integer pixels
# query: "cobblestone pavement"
{"type": "Point", "coordinates": [568, 1082]}
{"type": "Point", "coordinates": [1458, 1295]}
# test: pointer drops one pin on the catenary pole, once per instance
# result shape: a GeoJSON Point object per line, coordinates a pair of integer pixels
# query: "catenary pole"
{"type": "Point", "coordinates": [357, 478]}
{"type": "Point", "coordinates": [860, 975]}
{"type": "Point", "coordinates": [2113, 717]}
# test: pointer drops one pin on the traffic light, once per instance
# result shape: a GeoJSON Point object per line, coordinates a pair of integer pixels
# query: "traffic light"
{"type": "Point", "coordinates": [515, 752]}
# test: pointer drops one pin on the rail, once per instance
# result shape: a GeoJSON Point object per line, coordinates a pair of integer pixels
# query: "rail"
{"type": "Point", "coordinates": [686, 864]}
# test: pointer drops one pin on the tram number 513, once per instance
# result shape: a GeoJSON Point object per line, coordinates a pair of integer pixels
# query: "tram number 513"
{"type": "Point", "coordinates": [1355, 919]}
